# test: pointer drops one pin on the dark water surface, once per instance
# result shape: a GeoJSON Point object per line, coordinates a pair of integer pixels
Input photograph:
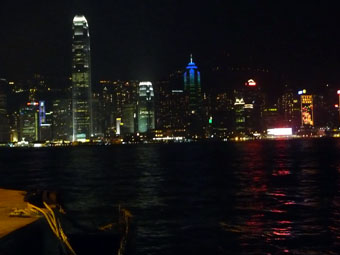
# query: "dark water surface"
{"type": "Point", "coordinates": [258, 197]}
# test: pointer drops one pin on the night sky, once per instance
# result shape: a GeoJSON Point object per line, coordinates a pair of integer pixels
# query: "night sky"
{"type": "Point", "coordinates": [299, 43]}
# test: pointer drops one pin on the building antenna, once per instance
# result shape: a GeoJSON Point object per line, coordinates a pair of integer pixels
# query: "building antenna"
{"type": "Point", "coordinates": [190, 58]}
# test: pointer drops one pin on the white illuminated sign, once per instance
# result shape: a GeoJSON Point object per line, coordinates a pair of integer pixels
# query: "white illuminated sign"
{"type": "Point", "coordinates": [251, 83]}
{"type": "Point", "coordinates": [239, 101]}
{"type": "Point", "coordinates": [280, 131]}
{"type": "Point", "coordinates": [145, 83]}
{"type": "Point", "coordinates": [118, 124]}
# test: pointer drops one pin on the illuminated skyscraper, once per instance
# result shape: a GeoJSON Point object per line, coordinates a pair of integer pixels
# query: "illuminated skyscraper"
{"type": "Point", "coordinates": [81, 80]}
{"type": "Point", "coordinates": [146, 107]}
{"type": "Point", "coordinates": [29, 122]}
{"type": "Point", "coordinates": [192, 89]}
{"type": "Point", "coordinates": [248, 107]}
{"type": "Point", "coordinates": [289, 109]}
{"type": "Point", "coordinates": [192, 86]}
{"type": "Point", "coordinates": [4, 124]}
{"type": "Point", "coordinates": [61, 119]}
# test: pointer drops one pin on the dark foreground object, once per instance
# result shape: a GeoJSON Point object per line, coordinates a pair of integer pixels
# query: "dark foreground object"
{"type": "Point", "coordinates": [39, 239]}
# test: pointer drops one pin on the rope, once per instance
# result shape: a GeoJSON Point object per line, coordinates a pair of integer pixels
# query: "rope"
{"type": "Point", "coordinates": [56, 228]}
{"type": "Point", "coordinates": [123, 241]}
{"type": "Point", "coordinates": [54, 224]}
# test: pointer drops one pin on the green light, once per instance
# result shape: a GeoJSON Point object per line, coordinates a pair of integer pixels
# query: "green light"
{"type": "Point", "coordinates": [210, 120]}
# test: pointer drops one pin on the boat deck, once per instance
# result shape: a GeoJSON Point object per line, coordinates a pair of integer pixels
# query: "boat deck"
{"type": "Point", "coordinates": [10, 199]}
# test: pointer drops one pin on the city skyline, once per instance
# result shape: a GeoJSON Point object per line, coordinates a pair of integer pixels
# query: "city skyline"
{"type": "Point", "coordinates": [233, 100]}
{"type": "Point", "coordinates": [296, 43]}
{"type": "Point", "coordinates": [169, 127]}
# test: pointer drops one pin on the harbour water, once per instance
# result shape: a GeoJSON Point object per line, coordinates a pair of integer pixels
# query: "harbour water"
{"type": "Point", "coordinates": [256, 197]}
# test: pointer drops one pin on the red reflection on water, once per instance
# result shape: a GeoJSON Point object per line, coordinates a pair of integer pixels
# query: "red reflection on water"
{"type": "Point", "coordinates": [258, 189]}
{"type": "Point", "coordinates": [281, 172]}
{"type": "Point", "coordinates": [277, 211]}
{"type": "Point", "coordinates": [255, 223]}
{"type": "Point", "coordinates": [284, 222]}
{"type": "Point", "coordinates": [282, 232]}
{"type": "Point", "coordinates": [277, 194]}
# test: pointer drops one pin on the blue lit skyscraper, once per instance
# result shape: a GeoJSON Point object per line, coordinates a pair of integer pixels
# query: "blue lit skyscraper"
{"type": "Point", "coordinates": [146, 107]}
{"type": "Point", "coordinates": [192, 86]}
{"type": "Point", "coordinates": [192, 89]}
{"type": "Point", "coordinates": [81, 80]}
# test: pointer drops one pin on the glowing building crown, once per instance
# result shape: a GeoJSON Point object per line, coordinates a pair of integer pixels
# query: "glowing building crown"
{"type": "Point", "coordinates": [79, 20]}
{"type": "Point", "coordinates": [191, 65]}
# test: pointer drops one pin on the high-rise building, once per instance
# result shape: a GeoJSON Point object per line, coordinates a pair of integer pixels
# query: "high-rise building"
{"type": "Point", "coordinates": [222, 113]}
{"type": "Point", "coordinates": [253, 108]}
{"type": "Point", "coordinates": [29, 122]}
{"type": "Point", "coordinates": [125, 99]}
{"type": "Point", "coordinates": [103, 119]}
{"type": "Point", "coordinates": [4, 122]}
{"type": "Point", "coordinates": [170, 109]}
{"type": "Point", "coordinates": [45, 129]}
{"type": "Point", "coordinates": [192, 89]}
{"type": "Point", "coordinates": [289, 110]}
{"type": "Point", "coordinates": [307, 117]}
{"type": "Point", "coordinates": [146, 107]}
{"type": "Point", "coordinates": [240, 119]}
{"type": "Point", "coordinates": [192, 86]}
{"type": "Point", "coordinates": [61, 119]}
{"type": "Point", "coordinates": [98, 114]}
{"type": "Point", "coordinates": [128, 118]}
{"type": "Point", "coordinates": [271, 117]}
{"type": "Point", "coordinates": [81, 80]}
{"type": "Point", "coordinates": [114, 107]}
{"type": "Point", "coordinates": [248, 109]}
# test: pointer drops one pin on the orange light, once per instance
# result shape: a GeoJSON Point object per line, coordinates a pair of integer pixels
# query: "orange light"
{"type": "Point", "coordinates": [32, 103]}
{"type": "Point", "coordinates": [336, 106]}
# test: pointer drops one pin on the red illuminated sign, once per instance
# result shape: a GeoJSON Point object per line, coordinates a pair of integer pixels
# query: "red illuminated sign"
{"type": "Point", "coordinates": [251, 83]}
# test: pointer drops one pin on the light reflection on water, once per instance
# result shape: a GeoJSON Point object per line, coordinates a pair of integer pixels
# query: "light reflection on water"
{"type": "Point", "coordinates": [258, 197]}
{"type": "Point", "coordinates": [285, 199]}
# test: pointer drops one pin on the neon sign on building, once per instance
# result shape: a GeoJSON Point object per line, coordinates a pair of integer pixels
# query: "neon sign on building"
{"type": "Point", "coordinates": [307, 110]}
{"type": "Point", "coordinates": [251, 83]}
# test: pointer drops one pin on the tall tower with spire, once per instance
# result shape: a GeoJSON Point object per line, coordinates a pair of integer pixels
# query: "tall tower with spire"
{"type": "Point", "coordinates": [81, 80]}
{"type": "Point", "coordinates": [192, 86]}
